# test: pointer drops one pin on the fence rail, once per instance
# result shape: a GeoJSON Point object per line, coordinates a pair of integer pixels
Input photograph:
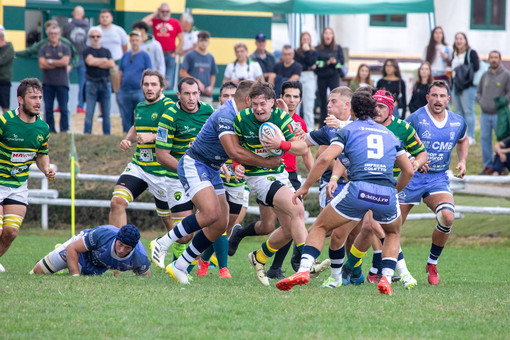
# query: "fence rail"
{"type": "Point", "coordinates": [46, 197]}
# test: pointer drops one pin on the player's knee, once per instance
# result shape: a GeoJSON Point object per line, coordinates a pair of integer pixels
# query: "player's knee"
{"type": "Point", "coordinates": [445, 214]}
{"type": "Point", "coordinates": [266, 227]}
{"type": "Point", "coordinates": [37, 268]}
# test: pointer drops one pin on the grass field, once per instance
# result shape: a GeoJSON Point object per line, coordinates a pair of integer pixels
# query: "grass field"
{"type": "Point", "coordinates": [471, 301]}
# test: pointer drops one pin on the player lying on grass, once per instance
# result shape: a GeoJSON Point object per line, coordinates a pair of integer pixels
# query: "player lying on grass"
{"type": "Point", "coordinates": [94, 251]}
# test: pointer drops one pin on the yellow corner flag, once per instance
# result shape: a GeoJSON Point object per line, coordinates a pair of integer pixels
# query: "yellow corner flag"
{"type": "Point", "coordinates": [75, 168]}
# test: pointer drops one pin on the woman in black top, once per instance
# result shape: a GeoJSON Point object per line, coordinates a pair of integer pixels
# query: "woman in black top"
{"type": "Point", "coordinates": [421, 87]}
{"type": "Point", "coordinates": [330, 59]}
{"type": "Point", "coordinates": [307, 56]}
{"type": "Point", "coordinates": [392, 82]}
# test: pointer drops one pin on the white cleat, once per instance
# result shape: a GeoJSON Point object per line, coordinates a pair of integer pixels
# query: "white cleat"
{"type": "Point", "coordinates": [158, 254]}
{"type": "Point", "coordinates": [178, 275]}
{"type": "Point", "coordinates": [318, 268]}
{"type": "Point", "coordinates": [408, 281]}
{"type": "Point", "coordinates": [331, 282]}
{"type": "Point", "coordinates": [2, 269]}
{"type": "Point", "coordinates": [260, 269]}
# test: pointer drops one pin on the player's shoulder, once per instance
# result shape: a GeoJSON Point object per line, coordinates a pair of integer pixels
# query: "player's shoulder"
{"type": "Point", "coordinates": [243, 114]}
{"type": "Point", "coordinates": [7, 116]}
{"type": "Point", "coordinates": [206, 108]}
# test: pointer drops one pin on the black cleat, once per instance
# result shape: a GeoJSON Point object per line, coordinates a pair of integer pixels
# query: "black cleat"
{"type": "Point", "coordinates": [234, 240]}
{"type": "Point", "coordinates": [275, 273]}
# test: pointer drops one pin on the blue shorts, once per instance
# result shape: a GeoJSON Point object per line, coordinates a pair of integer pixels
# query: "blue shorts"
{"type": "Point", "coordinates": [424, 185]}
{"type": "Point", "coordinates": [324, 200]}
{"type": "Point", "coordinates": [357, 198]}
{"type": "Point", "coordinates": [195, 176]}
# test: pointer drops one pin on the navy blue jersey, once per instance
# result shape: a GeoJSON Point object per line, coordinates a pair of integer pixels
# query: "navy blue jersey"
{"type": "Point", "coordinates": [207, 147]}
{"type": "Point", "coordinates": [100, 255]}
{"type": "Point", "coordinates": [323, 136]}
{"type": "Point", "coordinates": [371, 149]}
{"type": "Point", "coordinates": [439, 138]}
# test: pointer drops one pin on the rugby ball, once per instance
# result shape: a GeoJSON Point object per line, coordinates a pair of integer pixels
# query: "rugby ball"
{"type": "Point", "coordinates": [272, 130]}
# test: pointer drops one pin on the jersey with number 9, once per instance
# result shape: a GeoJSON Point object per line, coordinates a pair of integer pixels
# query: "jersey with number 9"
{"type": "Point", "coordinates": [371, 149]}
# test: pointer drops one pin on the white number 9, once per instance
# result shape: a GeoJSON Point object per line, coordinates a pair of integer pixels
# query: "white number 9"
{"type": "Point", "coordinates": [375, 146]}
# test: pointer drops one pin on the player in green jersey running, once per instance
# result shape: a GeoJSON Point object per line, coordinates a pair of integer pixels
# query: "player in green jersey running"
{"type": "Point", "coordinates": [271, 186]}
{"type": "Point", "coordinates": [23, 141]}
{"type": "Point", "coordinates": [144, 171]}
{"type": "Point", "coordinates": [177, 130]}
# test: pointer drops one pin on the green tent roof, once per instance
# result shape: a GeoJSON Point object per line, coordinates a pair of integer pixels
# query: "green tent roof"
{"type": "Point", "coordinates": [319, 6]}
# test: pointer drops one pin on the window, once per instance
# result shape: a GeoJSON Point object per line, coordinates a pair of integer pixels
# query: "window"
{"type": "Point", "coordinates": [488, 14]}
{"type": "Point", "coordinates": [392, 20]}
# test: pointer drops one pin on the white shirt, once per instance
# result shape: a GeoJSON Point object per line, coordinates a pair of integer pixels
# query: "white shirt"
{"type": "Point", "coordinates": [457, 61]}
{"type": "Point", "coordinates": [248, 71]}
{"type": "Point", "coordinates": [439, 64]}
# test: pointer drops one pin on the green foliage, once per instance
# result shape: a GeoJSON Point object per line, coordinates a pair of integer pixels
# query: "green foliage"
{"type": "Point", "coordinates": [470, 302]}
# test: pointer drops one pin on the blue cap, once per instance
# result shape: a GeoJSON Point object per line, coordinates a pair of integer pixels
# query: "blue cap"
{"type": "Point", "coordinates": [129, 235]}
{"type": "Point", "coordinates": [260, 37]}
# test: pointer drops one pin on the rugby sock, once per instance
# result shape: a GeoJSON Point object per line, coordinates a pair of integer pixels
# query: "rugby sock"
{"type": "Point", "coordinates": [401, 263]}
{"type": "Point", "coordinates": [265, 252]}
{"type": "Point", "coordinates": [435, 252]}
{"type": "Point", "coordinates": [192, 265]}
{"type": "Point", "coordinates": [300, 247]}
{"type": "Point", "coordinates": [221, 249]}
{"type": "Point", "coordinates": [388, 267]}
{"type": "Point", "coordinates": [198, 245]}
{"type": "Point", "coordinates": [247, 231]}
{"type": "Point", "coordinates": [308, 256]}
{"type": "Point", "coordinates": [337, 259]}
{"type": "Point", "coordinates": [280, 256]}
{"type": "Point", "coordinates": [354, 260]}
{"type": "Point", "coordinates": [376, 262]}
{"type": "Point", "coordinates": [206, 256]}
{"type": "Point", "coordinates": [187, 226]}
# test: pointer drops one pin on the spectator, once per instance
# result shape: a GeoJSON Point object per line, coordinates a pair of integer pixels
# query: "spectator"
{"type": "Point", "coordinates": [306, 55]}
{"type": "Point", "coordinates": [151, 46]}
{"type": "Point", "coordinates": [6, 62]}
{"type": "Point", "coordinates": [502, 158]}
{"type": "Point", "coordinates": [438, 55]}
{"type": "Point", "coordinates": [265, 59]}
{"type": "Point", "coordinates": [464, 99]}
{"type": "Point", "coordinates": [494, 83]}
{"type": "Point", "coordinates": [330, 59]}
{"type": "Point", "coordinates": [53, 60]}
{"type": "Point", "coordinates": [76, 31]}
{"type": "Point", "coordinates": [131, 67]}
{"type": "Point", "coordinates": [166, 30]}
{"type": "Point", "coordinates": [114, 38]}
{"type": "Point", "coordinates": [200, 65]}
{"type": "Point", "coordinates": [189, 34]}
{"type": "Point", "coordinates": [392, 82]}
{"type": "Point", "coordinates": [243, 68]}
{"type": "Point", "coordinates": [287, 69]}
{"type": "Point", "coordinates": [98, 61]}
{"type": "Point", "coordinates": [362, 78]}
{"type": "Point", "coordinates": [421, 87]}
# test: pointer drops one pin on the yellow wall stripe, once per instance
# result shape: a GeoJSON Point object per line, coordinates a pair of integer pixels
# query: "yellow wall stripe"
{"type": "Point", "coordinates": [176, 6]}
{"type": "Point", "coordinates": [223, 48]}
{"type": "Point", "coordinates": [201, 11]}
{"type": "Point", "coordinates": [17, 38]}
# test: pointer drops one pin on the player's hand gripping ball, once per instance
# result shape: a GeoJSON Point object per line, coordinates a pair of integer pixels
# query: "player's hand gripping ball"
{"type": "Point", "coordinates": [271, 130]}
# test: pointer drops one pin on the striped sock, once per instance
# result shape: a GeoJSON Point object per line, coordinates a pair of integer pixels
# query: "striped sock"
{"type": "Point", "coordinates": [308, 256]}
{"type": "Point", "coordinates": [376, 262]}
{"type": "Point", "coordinates": [354, 260]}
{"type": "Point", "coordinates": [435, 252]}
{"type": "Point", "coordinates": [196, 247]}
{"type": "Point", "coordinates": [337, 259]}
{"type": "Point", "coordinates": [388, 267]}
{"type": "Point", "coordinates": [265, 252]}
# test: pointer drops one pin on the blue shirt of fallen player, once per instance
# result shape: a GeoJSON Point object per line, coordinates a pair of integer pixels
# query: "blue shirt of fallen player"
{"type": "Point", "coordinates": [104, 251]}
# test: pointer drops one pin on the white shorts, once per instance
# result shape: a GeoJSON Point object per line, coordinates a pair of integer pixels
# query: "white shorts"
{"type": "Point", "coordinates": [157, 185]}
{"type": "Point", "coordinates": [236, 194]}
{"type": "Point", "coordinates": [261, 185]}
{"type": "Point", "coordinates": [176, 193]}
{"type": "Point", "coordinates": [17, 194]}
{"type": "Point", "coordinates": [246, 197]}
{"type": "Point", "coordinates": [57, 258]}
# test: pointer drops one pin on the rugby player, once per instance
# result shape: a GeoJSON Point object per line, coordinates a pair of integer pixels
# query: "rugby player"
{"type": "Point", "coordinates": [440, 131]}
{"type": "Point", "coordinates": [144, 171]}
{"type": "Point", "coordinates": [371, 149]}
{"type": "Point", "coordinates": [94, 251]}
{"type": "Point", "coordinates": [199, 173]}
{"type": "Point", "coordinates": [23, 141]}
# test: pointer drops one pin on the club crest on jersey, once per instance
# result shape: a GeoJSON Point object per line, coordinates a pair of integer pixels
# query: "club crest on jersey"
{"type": "Point", "coordinates": [40, 138]}
{"type": "Point", "coordinates": [452, 135]}
{"type": "Point", "coordinates": [426, 134]}
{"type": "Point", "coordinates": [154, 116]}
{"type": "Point", "coordinates": [178, 195]}
{"type": "Point", "coordinates": [271, 178]}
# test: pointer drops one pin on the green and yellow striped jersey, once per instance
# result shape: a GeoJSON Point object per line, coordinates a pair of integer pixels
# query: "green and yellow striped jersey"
{"type": "Point", "coordinates": [146, 121]}
{"type": "Point", "coordinates": [178, 129]}
{"type": "Point", "coordinates": [20, 143]}
{"type": "Point", "coordinates": [247, 129]}
{"type": "Point", "coordinates": [407, 135]}
{"type": "Point", "coordinates": [233, 182]}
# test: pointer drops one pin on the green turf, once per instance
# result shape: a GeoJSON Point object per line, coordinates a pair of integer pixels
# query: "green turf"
{"type": "Point", "coordinates": [471, 301]}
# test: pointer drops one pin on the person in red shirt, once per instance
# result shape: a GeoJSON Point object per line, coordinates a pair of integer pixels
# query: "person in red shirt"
{"type": "Point", "coordinates": [166, 30]}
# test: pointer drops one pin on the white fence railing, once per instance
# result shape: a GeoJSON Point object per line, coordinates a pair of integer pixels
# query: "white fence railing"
{"type": "Point", "coordinates": [46, 197]}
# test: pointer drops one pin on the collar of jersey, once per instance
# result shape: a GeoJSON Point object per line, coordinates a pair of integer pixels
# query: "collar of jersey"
{"type": "Point", "coordinates": [438, 124]}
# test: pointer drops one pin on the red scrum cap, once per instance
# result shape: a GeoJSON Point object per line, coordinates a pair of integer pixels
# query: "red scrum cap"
{"type": "Point", "coordinates": [385, 98]}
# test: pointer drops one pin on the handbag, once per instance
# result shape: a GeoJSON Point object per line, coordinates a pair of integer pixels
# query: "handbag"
{"type": "Point", "coordinates": [464, 75]}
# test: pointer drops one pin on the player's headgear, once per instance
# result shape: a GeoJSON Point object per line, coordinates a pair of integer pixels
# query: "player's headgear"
{"type": "Point", "coordinates": [385, 98]}
{"type": "Point", "coordinates": [129, 235]}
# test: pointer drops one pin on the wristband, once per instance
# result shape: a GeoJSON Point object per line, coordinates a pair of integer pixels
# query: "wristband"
{"type": "Point", "coordinates": [234, 164]}
{"type": "Point", "coordinates": [285, 146]}
{"type": "Point", "coordinates": [334, 178]}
